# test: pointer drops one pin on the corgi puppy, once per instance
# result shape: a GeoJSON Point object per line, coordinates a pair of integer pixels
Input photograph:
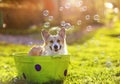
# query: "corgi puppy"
{"type": "Point", "coordinates": [53, 45]}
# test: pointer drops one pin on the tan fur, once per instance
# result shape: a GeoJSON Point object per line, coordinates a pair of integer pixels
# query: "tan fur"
{"type": "Point", "coordinates": [36, 51]}
{"type": "Point", "coordinates": [49, 48]}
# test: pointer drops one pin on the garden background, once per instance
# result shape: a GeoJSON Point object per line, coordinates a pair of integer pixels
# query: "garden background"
{"type": "Point", "coordinates": [93, 36]}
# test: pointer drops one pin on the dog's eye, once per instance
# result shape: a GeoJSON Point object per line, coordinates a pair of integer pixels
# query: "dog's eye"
{"type": "Point", "coordinates": [51, 41]}
{"type": "Point", "coordinates": [58, 40]}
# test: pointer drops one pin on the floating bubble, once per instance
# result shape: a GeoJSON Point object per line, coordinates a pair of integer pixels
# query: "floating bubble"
{"type": "Point", "coordinates": [89, 28]}
{"type": "Point", "coordinates": [116, 10]}
{"type": "Point", "coordinates": [50, 18]}
{"type": "Point", "coordinates": [118, 37]}
{"type": "Point", "coordinates": [108, 64]}
{"type": "Point", "coordinates": [4, 25]}
{"type": "Point", "coordinates": [85, 45]}
{"type": "Point", "coordinates": [97, 43]}
{"type": "Point", "coordinates": [67, 26]}
{"type": "Point", "coordinates": [79, 22]}
{"type": "Point", "coordinates": [87, 17]}
{"type": "Point", "coordinates": [62, 23]}
{"type": "Point", "coordinates": [33, 27]}
{"type": "Point", "coordinates": [78, 4]}
{"type": "Point", "coordinates": [47, 24]}
{"type": "Point", "coordinates": [96, 60]}
{"type": "Point", "coordinates": [78, 48]}
{"type": "Point", "coordinates": [61, 8]}
{"type": "Point", "coordinates": [83, 8]}
{"type": "Point", "coordinates": [45, 12]}
{"type": "Point", "coordinates": [72, 26]}
{"type": "Point", "coordinates": [102, 53]}
{"type": "Point", "coordinates": [96, 17]}
{"type": "Point", "coordinates": [67, 5]}
{"type": "Point", "coordinates": [30, 43]}
{"type": "Point", "coordinates": [108, 5]}
{"type": "Point", "coordinates": [5, 67]}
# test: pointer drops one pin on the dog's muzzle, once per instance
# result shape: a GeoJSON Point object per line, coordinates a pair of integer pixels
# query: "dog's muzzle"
{"type": "Point", "coordinates": [55, 47]}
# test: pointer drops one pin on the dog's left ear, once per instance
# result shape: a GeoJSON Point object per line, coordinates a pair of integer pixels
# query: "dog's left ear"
{"type": "Point", "coordinates": [62, 33]}
{"type": "Point", "coordinates": [45, 34]}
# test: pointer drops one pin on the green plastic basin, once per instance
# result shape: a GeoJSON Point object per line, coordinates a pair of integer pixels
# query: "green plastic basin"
{"type": "Point", "coordinates": [41, 69]}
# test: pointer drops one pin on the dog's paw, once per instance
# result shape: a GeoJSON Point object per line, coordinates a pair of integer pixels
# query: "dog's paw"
{"type": "Point", "coordinates": [36, 51]}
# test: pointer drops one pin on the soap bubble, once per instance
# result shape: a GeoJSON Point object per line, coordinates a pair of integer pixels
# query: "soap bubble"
{"type": "Point", "coordinates": [79, 22]}
{"type": "Point", "coordinates": [4, 25]}
{"type": "Point", "coordinates": [102, 53]}
{"type": "Point", "coordinates": [72, 27]}
{"type": "Point", "coordinates": [30, 43]}
{"type": "Point", "coordinates": [96, 17]}
{"type": "Point", "coordinates": [50, 18]}
{"type": "Point", "coordinates": [78, 4]}
{"type": "Point", "coordinates": [118, 37]}
{"type": "Point", "coordinates": [61, 8]}
{"type": "Point", "coordinates": [89, 28]}
{"type": "Point", "coordinates": [67, 5]}
{"type": "Point", "coordinates": [62, 23]}
{"type": "Point", "coordinates": [5, 66]}
{"type": "Point", "coordinates": [96, 59]}
{"type": "Point", "coordinates": [47, 24]}
{"type": "Point", "coordinates": [67, 26]}
{"type": "Point", "coordinates": [116, 10]}
{"type": "Point", "coordinates": [84, 8]}
{"type": "Point", "coordinates": [108, 64]}
{"type": "Point", "coordinates": [85, 45]}
{"type": "Point", "coordinates": [78, 47]}
{"type": "Point", "coordinates": [87, 17]}
{"type": "Point", "coordinates": [45, 12]}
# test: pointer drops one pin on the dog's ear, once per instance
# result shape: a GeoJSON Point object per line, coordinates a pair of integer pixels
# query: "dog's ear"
{"type": "Point", "coordinates": [62, 33]}
{"type": "Point", "coordinates": [45, 34]}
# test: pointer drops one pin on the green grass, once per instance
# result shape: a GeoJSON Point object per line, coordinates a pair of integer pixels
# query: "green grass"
{"type": "Point", "coordinates": [97, 61]}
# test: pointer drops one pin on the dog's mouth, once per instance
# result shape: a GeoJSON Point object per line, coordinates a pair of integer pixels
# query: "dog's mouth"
{"type": "Point", "coordinates": [56, 50]}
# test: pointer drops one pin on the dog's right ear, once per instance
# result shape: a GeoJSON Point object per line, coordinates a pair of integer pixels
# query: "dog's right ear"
{"type": "Point", "coordinates": [45, 34]}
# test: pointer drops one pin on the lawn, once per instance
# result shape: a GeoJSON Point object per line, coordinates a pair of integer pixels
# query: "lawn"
{"type": "Point", "coordinates": [96, 61]}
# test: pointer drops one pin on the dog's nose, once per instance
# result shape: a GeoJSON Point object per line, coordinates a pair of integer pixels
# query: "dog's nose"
{"type": "Point", "coordinates": [55, 46]}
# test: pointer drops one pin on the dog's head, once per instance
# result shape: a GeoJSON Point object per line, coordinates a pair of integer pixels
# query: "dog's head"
{"type": "Point", "coordinates": [54, 42]}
